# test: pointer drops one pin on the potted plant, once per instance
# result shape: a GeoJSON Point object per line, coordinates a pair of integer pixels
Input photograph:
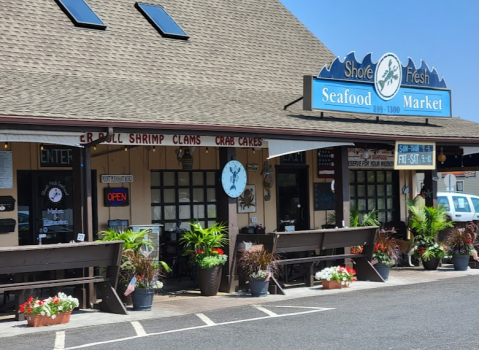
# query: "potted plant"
{"type": "Point", "coordinates": [385, 254]}
{"type": "Point", "coordinates": [336, 277]}
{"type": "Point", "coordinates": [258, 265]}
{"type": "Point", "coordinates": [425, 225]}
{"type": "Point", "coordinates": [50, 311]}
{"type": "Point", "coordinates": [204, 246]}
{"type": "Point", "coordinates": [146, 275]}
{"type": "Point", "coordinates": [461, 246]}
{"type": "Point", "coordinates": [132, 240]}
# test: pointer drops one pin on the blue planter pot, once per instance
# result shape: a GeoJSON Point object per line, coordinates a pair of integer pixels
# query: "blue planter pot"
{"type": "Point", "coordinates": [383, 270]}
{"type": "Point", "coordinates": [143, 299]}
{"type": "Point", "coordinates": [258, 288]}
{"type": "Point", "coordinates": [461, 262]}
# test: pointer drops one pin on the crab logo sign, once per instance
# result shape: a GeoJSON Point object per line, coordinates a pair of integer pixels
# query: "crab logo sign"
{"type": "Point", "coordinates": [388, 76]}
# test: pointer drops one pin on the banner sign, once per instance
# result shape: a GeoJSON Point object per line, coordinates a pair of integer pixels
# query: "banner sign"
{"type": "Point", "coordinates": [386, 88]}
{"type": "Point", "coordinates": [415, 155]}
{"type": "Point", "coordinates": [359, 158]}
{"type": "Point", "coordinates": [175, 140]}
{"type": "Point", "coordinates": [460, 174]}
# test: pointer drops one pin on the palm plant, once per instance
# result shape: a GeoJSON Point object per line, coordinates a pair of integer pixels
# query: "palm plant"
{"type": "Point", "coordinates": [430, 221]}
{"type": "Point", "coordinates": [355, 219]}
{"type": "Point", "coordinates": [133, 240]}
{"type": "Point", "coordinates": [204, 244]}
{"type": "Point", "coordinates": [426, 224]}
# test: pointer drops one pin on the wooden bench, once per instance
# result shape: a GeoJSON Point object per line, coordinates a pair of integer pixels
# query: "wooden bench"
{"type": "Point", "coordinates": [23, 260]}
{"type": "Point", "coordinates": [322, 241]}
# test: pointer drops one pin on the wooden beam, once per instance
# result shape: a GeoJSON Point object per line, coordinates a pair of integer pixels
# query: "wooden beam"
{"type": "Point", "coordinates": [341, 173]}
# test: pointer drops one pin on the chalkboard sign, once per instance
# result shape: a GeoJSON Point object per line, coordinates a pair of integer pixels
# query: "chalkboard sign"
{"type": "Point", "coordinates": [415, 155]}
{"type": "Point", "coordinates": [324, 198]}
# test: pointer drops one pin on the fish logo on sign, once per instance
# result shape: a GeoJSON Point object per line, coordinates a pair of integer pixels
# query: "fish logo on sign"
{"type": "Point", "coordinates": [388, 76]}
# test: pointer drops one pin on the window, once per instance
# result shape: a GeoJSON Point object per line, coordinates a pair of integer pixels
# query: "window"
{"type": "Point", "coordinates": [161, 21]}
{"type": "Point", "coordinates": [375, 189]}
{"type": "Point", "coordinates": [475, 203]}
{"type": "Point", "coordinates": [177, 197]}
{"type": "Point", "coordinates": [442, 200]}
{"type": "Point", "coordinates": [461, 204]}
{"type": "Point", "coordinates": [81, 14]}
{"type": "Point", "coordinates": [460, 186]}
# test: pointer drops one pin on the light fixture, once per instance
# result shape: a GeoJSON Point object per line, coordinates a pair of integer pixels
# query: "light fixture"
{"type": "Point", "coordinates": [254, 151]}
{"type": "Point", "coordinates": [154, 148]}
{"type": "Point", "coordinates": [126, 148]}
{"type": "Point", "coordinates": [181, 150]}
{"type": "Point", "coordinates": [441, 157]}
{"type": "Point", "coordinates": [6, 145]}
{"type": "Point", "coordinates": [94, 148]}
{"type": "Point", "coordinates": [41, 147]}
{"type": "Point", "coordinates": [206, 150]}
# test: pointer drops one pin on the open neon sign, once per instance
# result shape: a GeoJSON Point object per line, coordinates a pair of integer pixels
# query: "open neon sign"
{"type": "Point", "coordinates": [116, 197]}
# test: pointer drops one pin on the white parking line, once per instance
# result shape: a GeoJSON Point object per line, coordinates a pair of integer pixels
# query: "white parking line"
{"type": "Point", "coordinates": [208, 324]}
{"type": "Point", "coordinates": [140, 331]}
{"type": "Point", "coordinates": [206, 320]}
{"type": "Point", "coordinates": [59, 341]}
{"type": "Point", "coordinates": [266, 311]}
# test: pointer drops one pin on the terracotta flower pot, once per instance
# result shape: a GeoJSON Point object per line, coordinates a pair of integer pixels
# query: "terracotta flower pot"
{"type": "Point", "coordinates": [332, 284]}
{"type": "Point", "coordinates": [40, 321]}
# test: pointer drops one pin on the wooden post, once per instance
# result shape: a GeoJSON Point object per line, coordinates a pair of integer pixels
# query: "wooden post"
{"type": "Point", "coordinates": [227, 214]}
{"type": "Point", "coordinates": [88, 217]}
{"type": "Point", "coordinates": [430, 183]}
{"type": "Point", "coordinates": [341, 186]}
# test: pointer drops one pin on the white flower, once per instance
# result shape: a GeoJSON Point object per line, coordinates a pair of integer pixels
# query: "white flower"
{"type": "Point", "coordinates": [54, 316]}
{"type": "Point", "coordinates": [342, 283]}
{"type": "Point", "coordinates": [42, 313]}
{"type": "Point", "coordinates": [344, 278]}
{"type": "Point", "coordinates": [60, 308]}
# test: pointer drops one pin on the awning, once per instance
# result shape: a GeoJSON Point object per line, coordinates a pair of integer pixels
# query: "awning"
{"type": "Point", "coordinates": [281, 147]}
{"type": "Point", "coordinates": [469, 150]}
{"type": "Point", "coordinates": [40, 136]}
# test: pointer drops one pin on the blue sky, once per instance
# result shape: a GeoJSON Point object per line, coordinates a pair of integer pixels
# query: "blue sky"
{"type": "Point", "coordinates": [443, 33]}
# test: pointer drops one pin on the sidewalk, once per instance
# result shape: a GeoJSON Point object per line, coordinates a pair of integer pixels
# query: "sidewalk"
{"type": "Point", "coordinates": [190, 301]}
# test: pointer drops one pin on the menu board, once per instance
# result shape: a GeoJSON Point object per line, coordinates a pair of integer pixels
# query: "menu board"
{"type": "Point", "coordinates": [6, 169]}
{"type": "Point", "coordinates": [324, 197]}
{"type": "Point", "coordinates": [415, 155]}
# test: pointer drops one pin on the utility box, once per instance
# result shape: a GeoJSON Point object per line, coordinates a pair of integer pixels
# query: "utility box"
{"type": "Point", "coordinates": [7, 203]}
{"type": "Point", "coordinates": [7, 225]}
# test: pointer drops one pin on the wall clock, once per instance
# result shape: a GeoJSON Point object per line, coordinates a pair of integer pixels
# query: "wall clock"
{"type": "Point", "coordinates": [233, 178]}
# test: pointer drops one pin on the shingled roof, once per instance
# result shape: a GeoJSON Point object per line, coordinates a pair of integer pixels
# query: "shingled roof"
{"type": "Point", "coordinates": [244, 61]}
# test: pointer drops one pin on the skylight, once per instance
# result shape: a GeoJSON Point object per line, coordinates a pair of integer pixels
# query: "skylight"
{"type": "Point", "coordinates": [81, 14]}
{"type": "Point", "coordinates": [162, 21]}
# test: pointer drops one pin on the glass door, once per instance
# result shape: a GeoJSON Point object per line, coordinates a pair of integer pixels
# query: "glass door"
{"type": "Point", "coordinates": [53, 213]}
{"type": "Point", "coordinates": [292, 198]}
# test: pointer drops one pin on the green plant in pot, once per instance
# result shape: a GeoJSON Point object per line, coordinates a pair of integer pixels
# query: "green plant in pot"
{"type": "Point", "coordinates": [145, 276]}
{"type": "Point", "coordinates": [460, 242]}
{"type": "Point", "coordinates": [258, 265]}
{"type": "Point", "coordinates": [426, 224]}
{"type": "Point", "coordinates": [132, 240]}
{"type": "Point", "coordinates": [204, 245]}
{"type": "Point", "coordinates": [355, 218]}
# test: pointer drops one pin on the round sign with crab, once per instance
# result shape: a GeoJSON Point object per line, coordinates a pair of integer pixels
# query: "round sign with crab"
{"type": "Point", "coordinates": [233, 178]}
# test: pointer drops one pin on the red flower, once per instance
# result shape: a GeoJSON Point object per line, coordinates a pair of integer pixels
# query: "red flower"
{"type": "Point", "coordinates": [29, 311]}
{"type": "Point", "coordinates": [199, 251]}
{"type": "Point", "coordinates": [22, 309]}
{"type": "Point", "coordinates": [56, 301]}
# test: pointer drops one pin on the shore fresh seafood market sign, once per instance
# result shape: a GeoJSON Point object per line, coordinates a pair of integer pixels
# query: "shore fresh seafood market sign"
{"type": "Point", "coordinates": [385, 87]}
